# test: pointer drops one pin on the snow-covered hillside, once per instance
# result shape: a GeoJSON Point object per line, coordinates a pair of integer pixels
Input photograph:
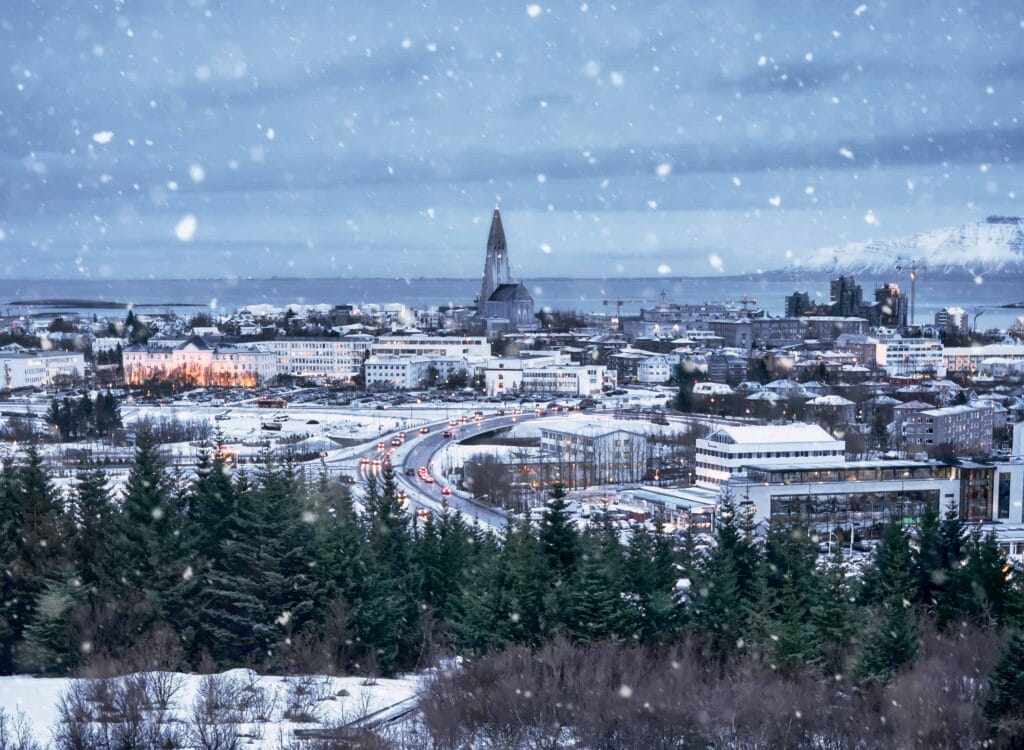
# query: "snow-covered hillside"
{"type": "Point", "coordinates": [262, 712]}
{"type": "Point", "coordinates": [978, 247]}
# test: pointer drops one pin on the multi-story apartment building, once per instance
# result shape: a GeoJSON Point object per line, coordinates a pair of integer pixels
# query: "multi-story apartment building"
{"type": "Point", "coordinates": [657, 369]}
{"type": "Point", "coordinates": [24, 368]}
{"type": "Point", "coordinates": [726, 452]}
{"type": "Point", "coordinates": [472, 348]}
{"type": "Point", "coordinates": [568, 380]}
{"type": "Point", "coordinates": [965, 429]}
{"type": "Point", "coordinates": [596, 453]}
{"type": "Point", "coordinates": [915, 356]}
{"type": "Point", "coordinates": [338, 358]}
{"type": "Point", "coordinates": [968, 359]}
{"type": "Point", "coordinates": [409, 372]}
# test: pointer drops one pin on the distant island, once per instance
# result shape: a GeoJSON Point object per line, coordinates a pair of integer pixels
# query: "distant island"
{"type": "Point", "coordinates": [95, 304]}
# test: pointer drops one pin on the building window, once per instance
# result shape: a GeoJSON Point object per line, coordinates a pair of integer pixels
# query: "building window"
{"type": "Point", "coordinates": [1004, 496]}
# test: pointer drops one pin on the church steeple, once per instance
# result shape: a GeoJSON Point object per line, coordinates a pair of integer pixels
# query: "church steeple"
{"type": "Point", "coordinates": [496, 269]}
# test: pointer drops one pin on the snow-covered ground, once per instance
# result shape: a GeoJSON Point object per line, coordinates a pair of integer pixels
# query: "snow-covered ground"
{"type": "Point", "coordinates": [342, 700]}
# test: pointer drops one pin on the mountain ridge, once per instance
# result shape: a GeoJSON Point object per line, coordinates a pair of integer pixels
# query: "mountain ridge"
{"type": "Point", "coordinates": [995, 244]}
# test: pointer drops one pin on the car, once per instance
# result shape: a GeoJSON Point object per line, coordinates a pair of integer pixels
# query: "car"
{"type": "Point", "coordinates": [364, 461]}
{"type": "Point", "coordinates": [428, 479]}
{"type": "Point", "coordinates": [446, 491]}
{"type": "Point", "coordinates": [401, 436]}
{"type": "Point", "coordinates": [447, 433]}
{"type": "Point", "coordinates": [410, 472]}
{"type": "Point", "coordinates": [452, 422]}
{"type": "Point", "coordinates": [396, 442]}
{"type": "Point", "coordinates": [424, 430]}
{"type": "Point", "coordinates": [380, 447]}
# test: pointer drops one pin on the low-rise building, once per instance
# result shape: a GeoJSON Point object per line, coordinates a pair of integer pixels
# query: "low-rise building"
{"type": "Point", "coordinates": [597, 453]}
{"type": "Point", "coordinates": [27, 368]}
{"type": "Point", "coordinates": [906, 357]}
{"type": "Point", "coordinates": [472, 348]}
{"type": "Point", "coordinates": [409, 372]}
{"type": "Point", "coordinates": [726, 452]}
{"type": "Point", "coordinates": [197, 363]}
{"type": "Point", "coordinates": [968, 359]}
{"type": "Point", "coordinates": [339, 358]}
{"type": "Point", "coordinates": [657, 369]}
{"type": "Point", "coordinates": [964, 429]}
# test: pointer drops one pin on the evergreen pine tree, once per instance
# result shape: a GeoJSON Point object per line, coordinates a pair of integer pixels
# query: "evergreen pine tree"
{"type": "Point", "coordinates": [594, 606]}
{"type": "Point", "coordinates": [149, 558]}
{"type": "Point", "coordinates": [892, 641]}
{"type": "Point", "coordinates": [1004, 704]}
{"type": "Point", "coordinates": [559, 537]}
{"type": "Point", "coordinates": [649, 582]}
{"type": "Point", "coordinates": [93, 513]}
{"type": "Point", "coordinates": [834, 617]}
{"type": "Point", "coordinates": [36, 531]}
{"type": "Point", "coordinates": [932, 574]}
{"type": "Point", "coordinates": [983, 581]}
{"type": "Point", "coordinates": [51, 644]}
{"type": "Point", "coordinates": [388, 611]}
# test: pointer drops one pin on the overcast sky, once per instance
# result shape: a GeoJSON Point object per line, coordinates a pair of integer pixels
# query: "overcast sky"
{"type": "Point", "coordinates": [190, 138]}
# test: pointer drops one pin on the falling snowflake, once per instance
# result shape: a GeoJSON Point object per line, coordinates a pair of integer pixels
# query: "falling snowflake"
{"type": "Point", "coordinates": [185, 229]}
{"type": "Point", "coordinates": [103, 137]}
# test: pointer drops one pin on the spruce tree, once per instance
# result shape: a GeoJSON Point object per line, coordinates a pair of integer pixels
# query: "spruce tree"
{"type": "Point", "coordinates": [983, 580]}
{"type": "Point", "coordinates": [834, 617]}
{"type": "Point", "coordinates": [649, 582]}
{"type": "Point", "coordinates": [37, 529]}
{"type": "Point", "coordinates": [149, 559]}
{"type": "Point", "coordinates": [52, 645]}
{"type": "Point", "coordinates": [594, 606]}
{"type": "Point", "coordinates": [93, 512]}
{"type": "Point", "coordinates": [892, 640]}
{"type": "Point", "coordinates": [559, 537]}
{"type": "Point", "coordinates": [388, 609]}
{"type": "Point", "coordinates": [1004, 704]}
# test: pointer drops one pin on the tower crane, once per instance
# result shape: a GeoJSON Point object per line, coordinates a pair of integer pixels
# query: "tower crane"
{"type": "Point", "coordinates": [618, 307]}
{"type": "Point", "coordinates": [913, 265]}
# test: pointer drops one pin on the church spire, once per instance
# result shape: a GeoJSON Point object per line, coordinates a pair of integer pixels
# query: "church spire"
{"type": "Point", "coordinates": [496, 238]}
{"type": "Point", "coordinates": [496, 271]}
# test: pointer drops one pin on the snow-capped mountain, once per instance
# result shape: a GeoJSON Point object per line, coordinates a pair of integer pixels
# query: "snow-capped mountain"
{"type": "Point", "coordinates": [996, 244]}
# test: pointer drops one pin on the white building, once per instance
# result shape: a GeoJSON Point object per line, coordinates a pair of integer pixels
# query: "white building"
{"type": "Point", "coordinates": [504, 375]}
{"type": "Point", "coordinates": [657, 369]}
{"type": "Point", "coordinates": [332, 358]}
{"type": "Point", "coordinates": [568, 379]}
{"type": "Point", "coordinates": [858, 498]}
{"type": "Point", "coordinates": [969, 358]}
{"type": "Point", "coordinates": [917, 356]}
{"type": "Point", "coordinates": [725, 453]}
{"type": "Point", "coordinates": [592, 454]}
{"type": "Point", "coordinates": [197, 363]}
{"type": "Point", "coordinates": [409, 372]}
{"type": "Point", "coordinates": [472, 348]}
{"type": "Point", "coordinates": [23, 368]}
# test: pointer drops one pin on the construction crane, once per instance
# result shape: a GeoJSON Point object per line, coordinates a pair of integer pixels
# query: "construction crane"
{"type": "Point", "coordinates": [618, 307]}
{"type": "Point", "coordinates": [913, 266]}
{"type": "Point", "coordinates": [746, 302]}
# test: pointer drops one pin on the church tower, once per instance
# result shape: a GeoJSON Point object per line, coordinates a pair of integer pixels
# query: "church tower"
{"type": "Point", "coordinates": [496, 265]}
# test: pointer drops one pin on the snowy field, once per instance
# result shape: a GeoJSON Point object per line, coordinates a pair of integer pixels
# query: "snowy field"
{"type": "Point", "coordinates": [265, 711]}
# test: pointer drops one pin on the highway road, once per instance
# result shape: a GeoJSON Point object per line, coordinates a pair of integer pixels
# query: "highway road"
{"type": "Point", "coordinates": [418, 450]}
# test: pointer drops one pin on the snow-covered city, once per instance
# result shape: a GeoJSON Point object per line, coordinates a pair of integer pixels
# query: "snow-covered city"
{"type": "Point", "coordinates": [511, 376]}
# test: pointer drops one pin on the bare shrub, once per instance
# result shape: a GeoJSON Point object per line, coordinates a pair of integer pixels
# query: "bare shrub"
{"type": "Point", "coordinates": [606, 696]}
{"type": "Point", "coordinates": [303, 693]}
{"type": "Point", "coordinates": [215, 716]}
{"type": "Point", "coordinates": [16, 732]}
{"type": "Point", "coordinates": [257, 704]}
